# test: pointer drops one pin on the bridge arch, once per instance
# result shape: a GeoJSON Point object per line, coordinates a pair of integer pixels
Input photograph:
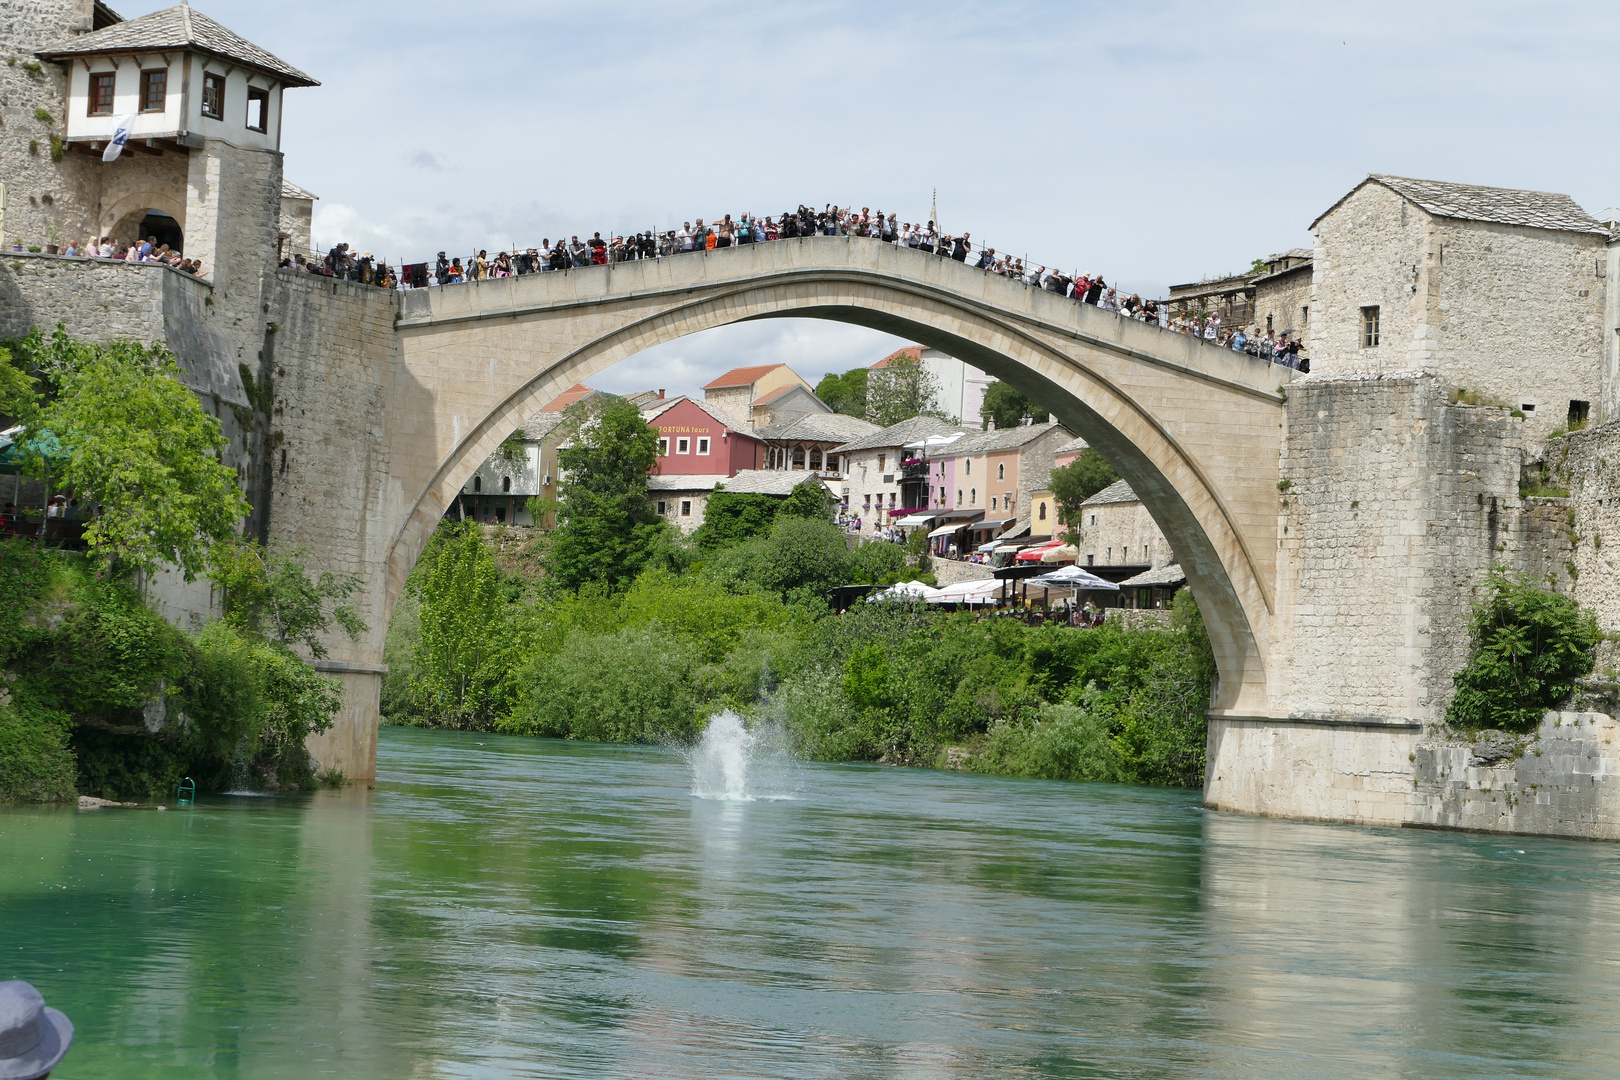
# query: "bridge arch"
{"type": "Point", "coordinates": [1195, 430]}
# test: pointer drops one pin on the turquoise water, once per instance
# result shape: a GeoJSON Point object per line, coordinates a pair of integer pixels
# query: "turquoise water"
{"type": "Point", "coordinates": [513, 907]}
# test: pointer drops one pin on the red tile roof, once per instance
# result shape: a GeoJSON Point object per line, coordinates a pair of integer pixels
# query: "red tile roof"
{"type": "Point", "coordinates": [743, 376]}
{"type": "Point", "coordinates": [910, 352]}
{"type": "Point", "coordinates": [577, 392]}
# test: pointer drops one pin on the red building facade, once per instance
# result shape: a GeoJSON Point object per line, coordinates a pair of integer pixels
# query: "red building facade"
{"type": "Point", "coordinates": [696, 442]}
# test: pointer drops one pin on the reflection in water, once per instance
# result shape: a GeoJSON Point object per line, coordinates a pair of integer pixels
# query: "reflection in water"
{"type": "Point", "coordinates": [537, 908]}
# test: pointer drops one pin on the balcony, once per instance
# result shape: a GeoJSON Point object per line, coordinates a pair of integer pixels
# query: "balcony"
{"type": "Point", "coordinates": [916, 470]}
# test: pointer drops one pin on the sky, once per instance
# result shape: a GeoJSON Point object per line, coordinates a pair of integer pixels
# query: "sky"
{"type": "Point", "coordinates": [1155, 144]}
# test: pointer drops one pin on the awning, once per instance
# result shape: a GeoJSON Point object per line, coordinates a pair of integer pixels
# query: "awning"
{"type": "Point", "coordinates": [984, 591]}
{"type": "Point", "coordinates": [991, 546]}
{"type": "Point", "coordinates": [963, 516]}
{"type": "Point", "coordinates": [991, 523]}
{"type": "Point", "coordinates": [914, 520]}
{"type": "Point", "coordinates": [944, 530]}
{"type": "Point", "coordinates": [1061, 553]}
{"type": "Point", "coordinates": [1035, 553]}
{"type": "Point", "coordinates": [11, 445]}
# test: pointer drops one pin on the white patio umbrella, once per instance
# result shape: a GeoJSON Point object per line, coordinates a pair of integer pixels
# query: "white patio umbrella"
{"type": "Point", "coordinates": [908, 590]}
{"type": "Point", "coordinates": [1074, 577]}
{"type": "Point", "coordinates": [968, 592]}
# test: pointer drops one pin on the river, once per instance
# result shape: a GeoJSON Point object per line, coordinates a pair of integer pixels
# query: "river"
{"type": "Point", "coordinates": [501, 907]}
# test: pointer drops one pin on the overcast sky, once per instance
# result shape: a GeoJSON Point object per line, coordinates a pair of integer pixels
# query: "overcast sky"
{"type": "Point", "coordinates": [1156, 144]}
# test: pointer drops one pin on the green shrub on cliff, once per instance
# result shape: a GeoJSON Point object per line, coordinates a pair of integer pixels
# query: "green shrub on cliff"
{"type": "Point", "coordinates": [1529, 646]}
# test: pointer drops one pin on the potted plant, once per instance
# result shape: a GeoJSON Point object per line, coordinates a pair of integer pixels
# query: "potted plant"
{"type": "Point", "coordinates": [16, 243]}
{"type": "Point", "coordinates": [55, 233]}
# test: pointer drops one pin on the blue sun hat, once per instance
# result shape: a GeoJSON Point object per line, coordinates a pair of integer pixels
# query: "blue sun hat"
{"type": "Point", "coordinates": [33, 1039]}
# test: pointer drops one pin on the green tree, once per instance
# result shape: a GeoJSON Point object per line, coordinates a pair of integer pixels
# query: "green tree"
{"type": "Point", "coordinates": [607, 529]}
{"type": "Point", "coordinates": [808, 499]}
{"type": "Point", "coordinates": [731, 517]}
{"type": "Point", "coordinates": [1529, 646]}
{"type": "Point", "coordinates": [901, 389]}
{"type": "Point", "coordinates": [464, 652]}
{"type": "Point", "coordinates": [126, 435]}
{"type": "Point", "coordinates": [1007, 407]}
{"type": "Point", "coordinates": [1078, 481]}
{"type": "Point", "coordinates": [844, 393]}
{"type": "Point", "coordinates": [270, 595]}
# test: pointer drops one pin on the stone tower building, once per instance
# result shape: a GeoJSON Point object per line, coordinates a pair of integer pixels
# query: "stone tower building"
{"type": "Point", "coordinates": [1496, 290]}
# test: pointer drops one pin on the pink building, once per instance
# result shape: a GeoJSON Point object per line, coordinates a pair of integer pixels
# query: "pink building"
{"type": "Point", "coordinates": [699, 439]}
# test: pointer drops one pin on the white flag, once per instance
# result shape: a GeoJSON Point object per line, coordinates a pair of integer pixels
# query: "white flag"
{"type": "Point", "coordinates": [120, 137]}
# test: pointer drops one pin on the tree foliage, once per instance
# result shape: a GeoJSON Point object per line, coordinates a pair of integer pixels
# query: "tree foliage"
{"type": "Point", "coordinates": [269, 595]}
{"type": "Point", "coordinates": [607, 530]}
{"type": "Point", "coordinates": [1007, 407]}
{"type": "Point", "coordinates": [119, 428]}
{"type": "Point", "coordinates": [844, 393]}
{"type": "Point", "coordinates": [463, 656]}
{"type": "Point", "coordinates": [1529, 645]}
{"type": "Point", "coordinates": [1078, 481]}
{"type": "Point", "coordinates": [731, 517]}
{"type": "Point", "coordinates": [901, 389]}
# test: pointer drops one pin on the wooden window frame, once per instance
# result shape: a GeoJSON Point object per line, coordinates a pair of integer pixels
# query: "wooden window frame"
{"type": "Point", "coordinates": [147, 79]}
{"type": "Point", "coordinates": [1370, 326]}
{"type": "Point", "coordinates": [97, 80]}
{"type": "Point", "coordinates": [259, 94]}
{"type": "Point", "coordinates": [210, 80]}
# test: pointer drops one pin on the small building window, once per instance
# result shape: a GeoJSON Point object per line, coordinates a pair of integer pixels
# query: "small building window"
{"type": "Point", "coordinates": [686, 508]}
{"type": "Point", "coordinates": [1094, 519]}
{"type": "Point", "coordinates": [1007, 500]}
{"type": "Point", "coordinates": [703, 446]}
{"type": "Point", "coordinates": [942, 496]}
{"type": "Point", "coordinates": [500, 514]}
{"type": "Point", "coordinates": [506, 485]}
{"type": "Point", "coordinates": [967, 466]}
{"type": "Point", "coordinates": [958, 496]}
{"type": "Point", "coordinates": [798, 457]}
{"type": "Point", "coordinates": [213, 99]}
{"type": "Point", "coordinates": [101, 92]}
{"type": "Point", "coordinates": [663, 447]}
{"type": "Point", "coordinates": [1001, 471]}
{"type": "Point", "coordinates": [992, 502]}
{"type": "Point", "coordinates": [1369, 327]}
{"type": "Point", "coordinates": [663, 508]}
{"type": "Point", "coordinates": [154, 90]}
{"type": "Point", "coordinates": [815, 459]}
{"type": "Point", "coordinates": [478, 483]}
{"type": "Point", "coordinates": [1578, 412]}
{"type": "Point", "coordinates": [1091, 560]}
{"type": "Point", "coordinates": [973, 496]}
{"type": "Point", "coordinates": [1043, 511]}
{"type": "Point", "coordinates": [881, 459]}
{"type": "Point", "coordinates": [683, 446]}
{"type": "Point", "coordinates": [258, 105]}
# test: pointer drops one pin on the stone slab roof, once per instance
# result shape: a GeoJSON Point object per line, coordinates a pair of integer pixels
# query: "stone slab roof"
{"type": "Point", "coordinates": [1001, 439]}
{"type": "Point", "coordinates": [1500, 206]}
{"type": "Point", "coordinates": [667, 482]}
{"type": "Point", "coordinates": [654, 409]}
{"type": "Point", "coordinates": [179, 27]}
{"type": "Point", "coordinates": [1172, 574]}
{"type": "Point", "coordinates": [768, 481]}
{"type": "Point", "coordinates": [1073, 446]}
{"type": "Point", "coordinates": [819, 427]}
{"type": "Point", "coordinates": [897, 435]}
{"type": "Point", "coordinates": [540, 425]}
{"type": "Point", "coordinates": [290, 190]}
{"type": "Point", "coordinates": [1117, 492]}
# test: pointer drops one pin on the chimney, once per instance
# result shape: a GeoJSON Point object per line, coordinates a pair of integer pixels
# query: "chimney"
{"type": "Point", "coordinates": [991, 422]}
{"type": "Point", "coordinates": [660, 395]}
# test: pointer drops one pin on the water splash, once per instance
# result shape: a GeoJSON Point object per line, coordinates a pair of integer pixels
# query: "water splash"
{"type": "Point", "coordinates": [732, 764]}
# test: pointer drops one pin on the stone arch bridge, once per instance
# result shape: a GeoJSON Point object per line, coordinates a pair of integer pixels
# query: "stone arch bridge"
{"type": "Point", "coordinates": [397, 428]}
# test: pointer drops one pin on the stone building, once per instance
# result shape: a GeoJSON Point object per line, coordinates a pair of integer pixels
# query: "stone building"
{"type": "Point", "coordinates": [499, 492]}
{"type": "Point", "coordinates": [682, 499]}
{"type": "Point", "coordinates": [297, 218]}
{"type": "Point", "coordinates": [873, 469]}
{"type": "Point", "coordinates": [1282, 295]}
{"type": "Point", "coordinates": [1230, 297]}
{"type": "Point", "coordinates": [1500, 292]}
{"type": "Point", "coordinates": [811, 442]}
{"type": "Point", "coordinates": [749, 391]}
{"type": "Point", "coordinates": [698, 438]}
{"type": "Point", "coordinates": [1118, 537]}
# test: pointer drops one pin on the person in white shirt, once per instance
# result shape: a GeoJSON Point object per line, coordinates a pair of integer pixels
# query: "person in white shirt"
{"type": "Point", "coordinates": [684, 236]}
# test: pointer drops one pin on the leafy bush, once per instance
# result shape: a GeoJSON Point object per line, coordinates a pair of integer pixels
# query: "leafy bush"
{"type": "Point", "coordinates": [1529, 647]}
{"type": "Point", "coordinates": [633, 685]}
{"type": "Point", "coordinates": [36, 758]}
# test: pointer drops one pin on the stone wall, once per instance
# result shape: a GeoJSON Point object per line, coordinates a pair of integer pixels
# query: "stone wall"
{"type": "Point", "coordinates": [1285, 299]}
{"type": "Point", "coordinates": [1124, 535]}
{"type": "Point", "coordinates": [1588, 463]}
{"type": "Point", "coordinates": [41, 196]}
{"type": "Point", "coordinates": [1396, 504]}
{"type": "Point", "coordinates": [1514, 313]}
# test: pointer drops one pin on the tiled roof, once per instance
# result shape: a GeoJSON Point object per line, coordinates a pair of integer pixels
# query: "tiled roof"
{"type": "Point", "coordinates": [1501, 206]}
{"type": "Point", "coordinates": [906, 431]}
{"type": "Point", "coordinates": [577, 392]}
{"type": "Point", "coordinates": [540, 425]}
{"type": "Point", "coordinates": [653, 410]}
{"type": "Point", "coordinates": [768, 481]}
{"type": "Point", "coordinates": [1117, 492]}
{"type": "Point", "coordinates": [683, 482]}
{"type": "Point", "coordinates": [290, 190]}
{"type": "Point", "coordinates": [819, 427]}
{"type": "Point", "coordinates": [912, 353]}
{"type": "Point", "coordinates": [1001, 439]}
{"type": "Point", "coordinates": [179, 27]}
{"type": "Point", "coordinates": [1073, 446]}
{"type": "Point", "coordinates": [742, 376]}
{"type": "Point", "coordinates": [1172, 574]}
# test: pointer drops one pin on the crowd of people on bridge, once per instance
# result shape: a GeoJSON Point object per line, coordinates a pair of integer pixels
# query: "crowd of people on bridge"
{"type": "Point", "coordinates": [703, 235]}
